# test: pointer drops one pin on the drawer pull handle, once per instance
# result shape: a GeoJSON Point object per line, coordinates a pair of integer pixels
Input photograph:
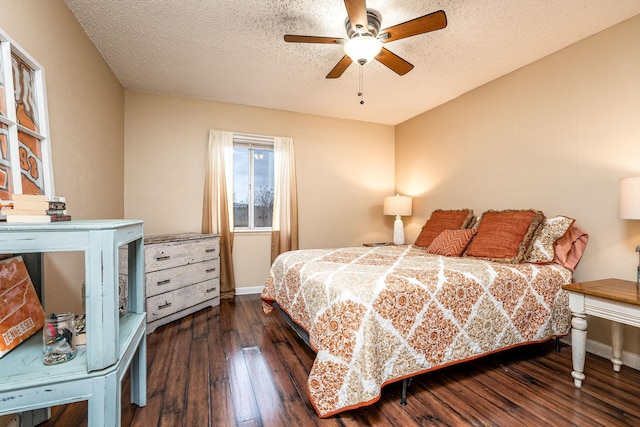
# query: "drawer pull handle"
{"type": "Point", "coordinates": [211, 290]}
{"type": "Point", "coordinates": [209, 270]}
{"type": "Point", "coordinates": [163, 282]}
{"type": "Point", "coordinates": [165, 305]}
{"type": "Point", "coordinates": [163, 258]}
{"type": "Point", "coordinates": [209, 251]}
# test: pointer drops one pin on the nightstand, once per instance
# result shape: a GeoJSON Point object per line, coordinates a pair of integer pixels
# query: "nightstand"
{"type": "Point", "coordinates": [614, 299]}
{"type": "Point", "coordinates": [116, 343]}
{"type": "Point", "coordinates": [373, 244]}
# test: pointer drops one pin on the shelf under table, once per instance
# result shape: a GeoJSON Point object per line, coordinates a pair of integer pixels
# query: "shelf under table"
{"type": "Point", "coordinates": [26, 383]}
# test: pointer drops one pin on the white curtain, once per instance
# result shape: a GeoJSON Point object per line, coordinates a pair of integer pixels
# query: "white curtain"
{"type": "Point", "coordinates": [284, 236]}
{"type": "Point", "coordinates": [218, 204]}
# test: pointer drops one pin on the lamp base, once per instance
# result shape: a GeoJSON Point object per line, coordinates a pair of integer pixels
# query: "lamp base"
{"type": "Point", "coordinates": [638, 277]}
{"type": "Point", "coordinates": [398, 231]}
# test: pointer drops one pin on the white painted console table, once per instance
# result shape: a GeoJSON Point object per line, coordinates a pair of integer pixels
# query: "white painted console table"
{"type": "Point", "coordinates": [114, 341]}
{"type": "Point", "coordinates": [614, 299]}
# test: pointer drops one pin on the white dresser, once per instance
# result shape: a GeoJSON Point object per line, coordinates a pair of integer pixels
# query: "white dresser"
{"type": "Point", "coordinates": [181, 275]}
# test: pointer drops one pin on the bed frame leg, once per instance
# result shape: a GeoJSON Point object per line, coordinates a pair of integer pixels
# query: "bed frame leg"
{"type": "Point", "coordinates": [405, 384]}
{"type": "Point", "coordinates": [557, 344]}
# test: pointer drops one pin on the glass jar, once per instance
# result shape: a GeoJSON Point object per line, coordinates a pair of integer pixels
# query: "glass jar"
{"type": "Point", "coordinates": [58, 337]}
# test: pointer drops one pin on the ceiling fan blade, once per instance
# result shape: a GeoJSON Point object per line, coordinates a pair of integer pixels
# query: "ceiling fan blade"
{"type": "Point", "coordinates": [424, 24]}
{"type": "Point", "coordinates": [394, 62]}
{"type": "Point", "coordinates": [340, 68]}
{"type": "Point", "coordinates": [357, 11]}
{"type": "Point", "coordinates": [312, 39]}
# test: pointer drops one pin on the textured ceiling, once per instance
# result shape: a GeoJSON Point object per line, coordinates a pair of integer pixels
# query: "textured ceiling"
{"type": "Point", "coordinates": [233, 50]}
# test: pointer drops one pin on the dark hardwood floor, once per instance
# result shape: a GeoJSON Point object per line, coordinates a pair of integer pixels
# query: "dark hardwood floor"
{"type": "Point", "coordinates": [233, 366]}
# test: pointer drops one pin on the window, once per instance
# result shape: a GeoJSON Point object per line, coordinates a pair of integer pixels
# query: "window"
{"type": "Point", "coordinates": [25, 162]}
{"type": "Point", "coordinates": [253, 182]}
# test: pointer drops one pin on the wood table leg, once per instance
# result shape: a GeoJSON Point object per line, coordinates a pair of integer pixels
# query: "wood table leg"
{"type": "Point", "coordinates": [139, 374]}
{"type": "Point", "coordinates": [105, 402]}
{"type": "Point", "coordinates": [617, 337]}
{"type": "Point", "coordinates": [96, 406]}
{"type": "Point", "coordinates": [578, 346]}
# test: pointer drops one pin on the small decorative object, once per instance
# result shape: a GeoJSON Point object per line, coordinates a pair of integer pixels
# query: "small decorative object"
{"type": "Point", "coordinates": [58, 336]}
{"type": "Point", "coordinates": [81, 330]}
{"type": "Point", "coordinates": [398, 206]}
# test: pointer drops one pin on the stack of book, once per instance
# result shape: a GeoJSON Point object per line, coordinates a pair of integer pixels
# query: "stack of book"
{"type": "Point", "coordinates": [36, 208]}
{"type": "Point", "coordinates": [4, 206]}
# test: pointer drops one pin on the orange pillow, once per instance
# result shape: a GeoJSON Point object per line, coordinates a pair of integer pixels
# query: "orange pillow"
{"type": "Point", "coordinates": [505, 236]}
{"type": "Point", "coordinates": [570, 247]}
{"type": "Point", "coordinates": [451, 242]}
{"type": "Point", "coordinates": [441, 220]}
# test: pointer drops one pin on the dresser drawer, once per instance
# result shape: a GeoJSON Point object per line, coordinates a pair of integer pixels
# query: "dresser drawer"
{"type": "Point", "coordinates": [173, 254]}
{"type": "Point", "coordinates": [169, 302]}
{"type": "Point", "coordinates": [182, 275]}
{"type": "Point", "coordinates": [173, 278]}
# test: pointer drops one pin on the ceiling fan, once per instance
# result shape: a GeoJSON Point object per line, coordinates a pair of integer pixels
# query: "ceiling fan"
{"type": "Point", "coordinates": [365, 38]}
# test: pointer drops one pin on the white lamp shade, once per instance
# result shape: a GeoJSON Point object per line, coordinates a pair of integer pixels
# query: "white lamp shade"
{"type": "Point", "coordinates": [397, 205]}
{"type": "Point", "coordinates": [362, 49]}
{"type": "Point", "coordinates": [629, 198]}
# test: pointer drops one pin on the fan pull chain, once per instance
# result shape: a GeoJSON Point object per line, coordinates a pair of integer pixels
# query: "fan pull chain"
{"type": "Point", "coordinates": [360, 90]}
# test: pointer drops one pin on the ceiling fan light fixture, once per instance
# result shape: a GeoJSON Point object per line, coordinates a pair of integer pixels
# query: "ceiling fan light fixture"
{"type": "Point", "coordinates": [362, 49]}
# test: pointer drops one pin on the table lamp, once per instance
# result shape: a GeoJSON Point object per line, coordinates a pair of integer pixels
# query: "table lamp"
{"type": "Point", "coordinates": [399, 206]}
{"type": "Point", "coordinates": [629, 199]}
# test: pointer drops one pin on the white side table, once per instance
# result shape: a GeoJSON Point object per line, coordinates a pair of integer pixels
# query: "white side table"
{"type": "Point", "coordinates": [614, 299]}
{"type": "Point", "coordinates": [114, 342]}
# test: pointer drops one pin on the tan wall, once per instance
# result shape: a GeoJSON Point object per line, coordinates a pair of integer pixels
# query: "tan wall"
{"type": "Point", "coordinates": [556, 135]}
{"type": "Point", "coordinates": [86, 115]}
{"type": "Point", "coordinates": [344, 170]}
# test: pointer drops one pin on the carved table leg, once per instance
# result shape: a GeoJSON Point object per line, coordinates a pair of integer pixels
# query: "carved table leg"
{"type": "Point", "coordinates": [578, 346]}
{"type": "Point", "coordinates": [617, 336]}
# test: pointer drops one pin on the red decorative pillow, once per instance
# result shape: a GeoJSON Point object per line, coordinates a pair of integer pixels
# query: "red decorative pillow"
{"type": "Point", "coordinates": [441, 220]}
{"type": "Point", "coordinates": [505, 236]}
{"type": "Point", "coordinates": [451, 242]}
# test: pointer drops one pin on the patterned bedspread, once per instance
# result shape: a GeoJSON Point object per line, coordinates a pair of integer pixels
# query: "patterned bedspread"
{"type": "Point", "coordinates": [378, 315]}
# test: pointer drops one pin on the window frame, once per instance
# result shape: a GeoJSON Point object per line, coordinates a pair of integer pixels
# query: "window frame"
{"type": "Point", "coordinates": [8, 47]}
{"type": "Point", "coordinates": [252, 143]}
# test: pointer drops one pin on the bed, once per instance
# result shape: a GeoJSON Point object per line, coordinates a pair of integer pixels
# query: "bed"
{"type": "Point", "coordinates": [376, 315]}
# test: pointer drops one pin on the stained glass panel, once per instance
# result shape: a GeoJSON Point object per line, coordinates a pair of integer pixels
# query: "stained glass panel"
{"type": "Point", "coordinates": [25, 150]}
{"type": "Point", "coordinates": [30, 153]}
{"type": "Point", "coordinates": [6, 189]}
{"type": "Point", "coordinates": [25, 93]}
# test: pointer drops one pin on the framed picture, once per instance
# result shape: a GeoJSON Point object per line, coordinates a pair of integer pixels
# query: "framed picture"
{"type": "Point", "coordinates": [25, 149]}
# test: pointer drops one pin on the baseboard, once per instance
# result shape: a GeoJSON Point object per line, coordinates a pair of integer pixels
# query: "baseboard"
{"type": "Point", "coordinates": [631, 360]}
{"type": "Point", "coordinates": [249, 290]}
